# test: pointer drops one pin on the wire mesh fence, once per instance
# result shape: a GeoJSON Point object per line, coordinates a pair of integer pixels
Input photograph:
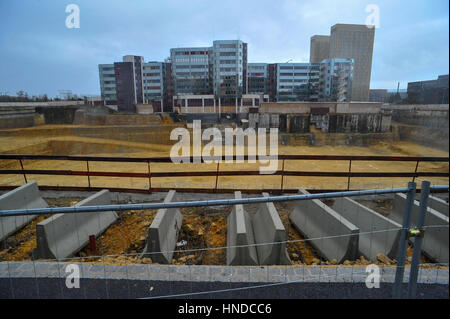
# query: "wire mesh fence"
{"type": "Point", "coordinates": [112, 264]}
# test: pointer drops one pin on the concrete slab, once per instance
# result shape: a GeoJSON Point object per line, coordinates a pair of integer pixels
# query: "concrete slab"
{"type": "Point", "coordinates": [240, 233]}
{"type": "Point", "coordinates": [268, 228]}
{"type": "Point", "coordinates": [436, 238]}
{"type": "Point", "coordinates": [163, 233]}
{"type": "Point", "coordinates": [26, 196]}
{"type": "Point", "coordinates": [370, 222]}
{"type": "Point", "coordinates": [314, 220]}
{"type": "Point", "coordinates": [63, 235]}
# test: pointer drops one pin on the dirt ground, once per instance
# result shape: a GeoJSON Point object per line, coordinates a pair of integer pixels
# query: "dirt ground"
{"type": "Point", "coordinates": [201, 230]}
{"type": "Point", "coordinates": [76, 145]}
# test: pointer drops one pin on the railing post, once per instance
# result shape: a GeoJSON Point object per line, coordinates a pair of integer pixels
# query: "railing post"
{"type": "Point", "coordinates": [418, 240]}
{"type": "Point", "coordinates": [349, 172]}
{"type": "Point", "coordinates": [217, 175]}
{"type": "Point", "coordinates": [415, 171]}
{"type": "Point", "coordinates": [88, 176]}
{"type": "Point", "coordinates": [403, 244]}
{"type": "Point", "coordinates": [24, 175]}
{"type": "Point", "coordinates": [282, 176]}
{"type": "Point", "coordinates": [149, 178]}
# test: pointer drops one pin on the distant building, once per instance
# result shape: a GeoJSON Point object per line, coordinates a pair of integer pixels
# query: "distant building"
{"type": "Point", "coordinates": [379, 95]}
{"type": "Point", "coordinates": [335, 84]}
{"type": "Point", "coordinates": [258, 78]}
{"type": "Point", "coordinates": [297, 81]}
{"type": "Point", "coordinates": [351, 41]}
{"type": "Point", "coordinates": [107, 83]}
{"type": "Point", "coordinates": [229, 59]}
{"type": "Point", "coordinates": [220, 75]}
{"type": "Point", "coordinates": [319, 48]}
{"type": "Point", "coordinates": [191, 70]}
{"type": "Point", "coordinates": [429, 92]}
{"type": "Point", "coordinates": [133, 82]}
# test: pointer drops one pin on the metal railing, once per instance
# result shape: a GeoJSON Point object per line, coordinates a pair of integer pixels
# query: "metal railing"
{"type": "Point", "coordinates": [349, 173]}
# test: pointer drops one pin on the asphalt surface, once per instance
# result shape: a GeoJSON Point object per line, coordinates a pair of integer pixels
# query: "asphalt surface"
{"type": "Point", "coordinates": [44, 288]}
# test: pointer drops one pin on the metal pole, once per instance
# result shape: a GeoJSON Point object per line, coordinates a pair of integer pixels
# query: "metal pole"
{"type": "Point", "coordinates": [415, 171]}
{"type": "Point", "coordinates": [349, 171]}
{"type": "Point", "coordinates": [24, 175]}
{"type": "Point", "coordinates": [418, 240]}
{"type": "Point", "coordinates": [403, 245]}
{"type": "Point", "coordinates": [149, 177]}
{"type": "Point", "coordinates": [202, 203]}
{"type": "Point", "coordinates": [89, 177]}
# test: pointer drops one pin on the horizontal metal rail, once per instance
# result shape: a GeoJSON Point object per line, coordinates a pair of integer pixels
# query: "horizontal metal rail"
{"type": "Point", "coordinates": [191, 159]}
{"type": "Point", "coordinates": [149, 174]}
{"type": "Point", "coordinates": [203, 203]}
{"type": "Point", "coordinates": [220, 173]}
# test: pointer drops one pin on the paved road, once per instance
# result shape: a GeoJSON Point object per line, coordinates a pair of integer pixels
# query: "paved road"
{"type": "Point", "coordinates": [120, 288]}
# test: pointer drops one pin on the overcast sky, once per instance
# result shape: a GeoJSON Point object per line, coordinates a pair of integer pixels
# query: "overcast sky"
{"type": "Point", "coordinates": [38, 54]}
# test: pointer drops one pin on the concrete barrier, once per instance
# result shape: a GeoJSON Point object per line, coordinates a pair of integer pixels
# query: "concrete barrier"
{"type": "Point", "coordinates": [438, 204]}
{"type": "Point", "coordinates": [26, 196]}
{"type": "Point", "coordinates": [268, 228]}
{"type": "Point", "coordinates": [314, 219]}
{"type": "Point", "coordinates": [163, 233]}
{"type": "Point", "coordinates": [240, 233]}
{"type": "Point", "coordinates": [63, 235]}
{"type": "Point", "coordinates": [368, 221]}
{"type": "Point", "coordinates": [436, 240]}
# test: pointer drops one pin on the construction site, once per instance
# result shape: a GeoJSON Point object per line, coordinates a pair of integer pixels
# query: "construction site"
{"type": "Point", "coordinates": [97, 157]}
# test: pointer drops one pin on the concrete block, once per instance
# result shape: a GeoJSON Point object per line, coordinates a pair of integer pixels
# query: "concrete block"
{"type": "Point", "coordinates": [163, 233]}
{"type": "Point", "coordinates": [436, 240]}
{"type": "Point", "coordinates": [268, 228]}
{"type": "Point", "coordinates": [438, 204]}
{"type": "Point", "coordinates": [240, 233]}
{"type": "Point", "coordinates": [370, 222]}
{"type": "Point", "coordinates": [26, 196]}
{"type": "Point", "coordinates": [63, 235]}
{"type": "Point", "coordinates": [314, 219]}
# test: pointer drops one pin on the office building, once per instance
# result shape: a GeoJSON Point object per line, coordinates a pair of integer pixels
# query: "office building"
{"type": "Point", "coordinates": [429, 92]}
{"type": "Point", "coordinates": [335, 84]}
{"type": "Point", "coordinates": [379, 95]}
{"type": "Point", "coordinates": [351, 41]}
{"type": "Point", "coordinates": [297, 81]}
{"type": "Point", "coordinates": [191, 72]}
{"type": "Point", "coordinates": [258, 78]}
{"type": "Point", "coordinates": [107, 83]}
{"type": "Point", "coordinates": [228, 59]}
{"type": "Point", "coordinates": [319, 48]}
